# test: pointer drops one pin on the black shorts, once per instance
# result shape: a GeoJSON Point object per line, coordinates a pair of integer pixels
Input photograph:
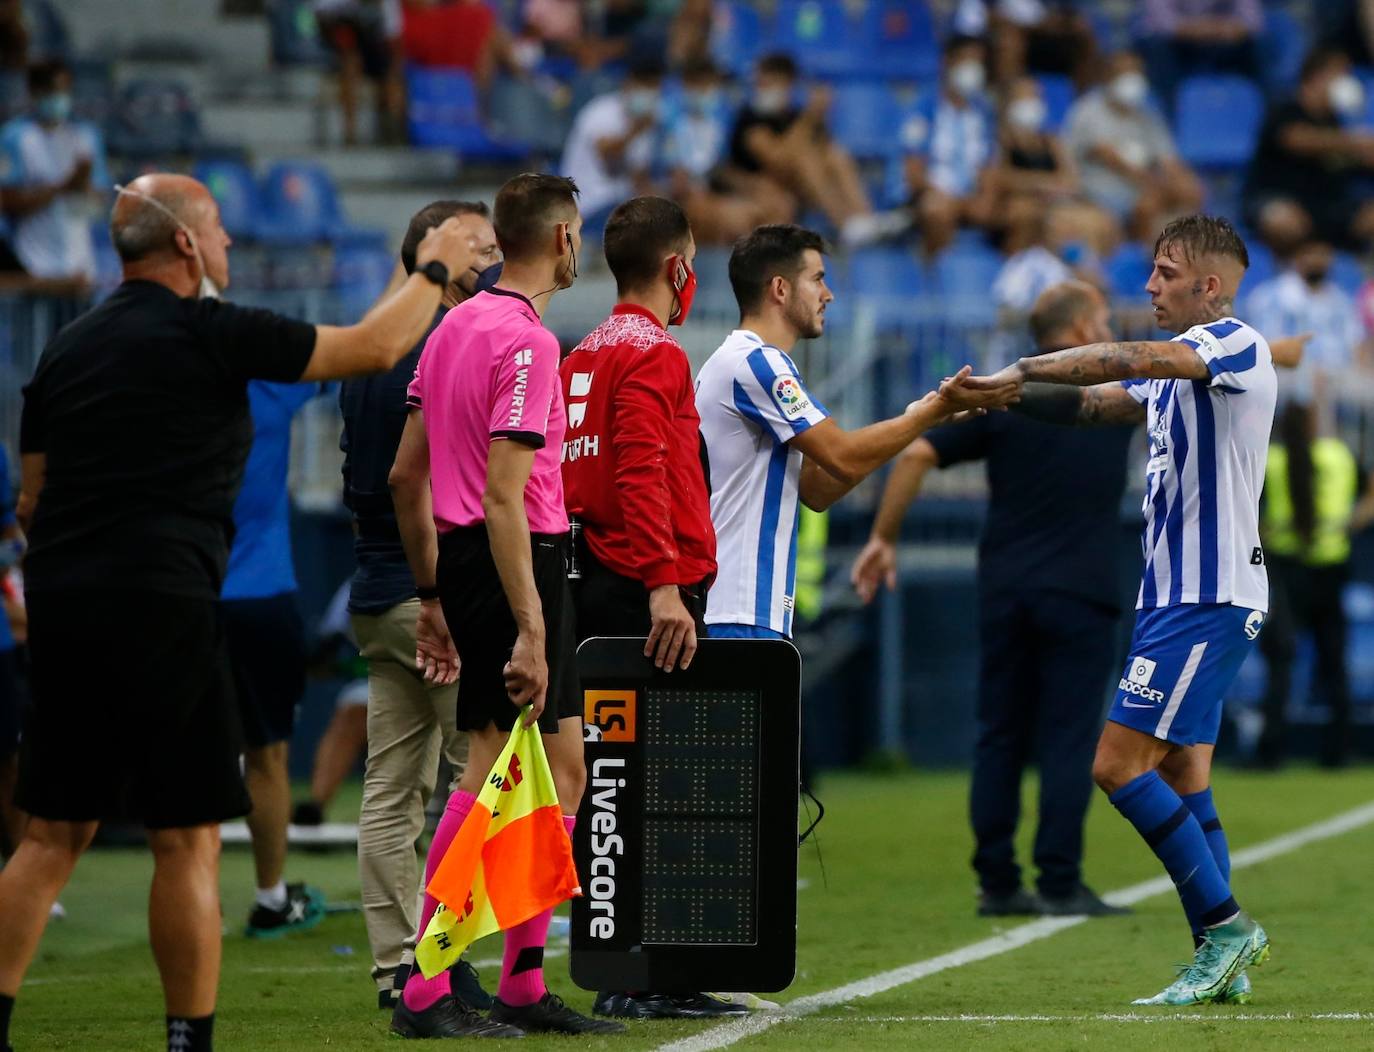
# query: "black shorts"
{"type": "Point", "coordinates": [132, 711]}
{"type": "Point", "coordinates": [483, 628]}
{"type": "Point", "coordinates": [611, 604]}
{"type": "Point", "coordinates": [10, 706]}
{"type": "Point", "coordinates": [267, 654]}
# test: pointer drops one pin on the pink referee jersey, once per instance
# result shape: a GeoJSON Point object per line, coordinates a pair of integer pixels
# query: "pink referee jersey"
{"type": "Point", "coordinates": [490, 372]}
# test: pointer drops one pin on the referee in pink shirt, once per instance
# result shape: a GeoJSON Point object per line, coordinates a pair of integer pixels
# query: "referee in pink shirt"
{"type": "Point", "coordinates": [487, 540]}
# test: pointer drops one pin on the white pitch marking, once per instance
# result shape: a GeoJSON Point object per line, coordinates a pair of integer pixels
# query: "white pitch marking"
{"type": "Point", "coordinates": [727, 1034]}
{"type": "Point", "coordinates": [1106, 1017]}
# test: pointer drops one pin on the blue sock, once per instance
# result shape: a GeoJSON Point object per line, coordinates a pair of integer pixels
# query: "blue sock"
{"type": "Point", "coordinates": [1176, 837]}
{"type": "Point", "coordinates": [1205, 811]}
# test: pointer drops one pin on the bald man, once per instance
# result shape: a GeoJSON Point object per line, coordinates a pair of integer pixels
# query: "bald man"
{"type": "Point", "coordinates": [1049, 599]}
{"type": "Point", "coordinates": [134, 434]}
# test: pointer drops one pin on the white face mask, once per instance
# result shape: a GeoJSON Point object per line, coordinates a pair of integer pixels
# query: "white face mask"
{"type": "Point", "coordinates": [208, 289]}
{"type": "Point", "coordinates": [771, 101]}
{"type": "Point", "coordinates": [967, 78]}
{"type": "Point", "coordinates": [1129, 89]}
{"type": "Point", "coordinates": [1346, 95]}
{"type": "Point", "coordinates": [1028, 114]}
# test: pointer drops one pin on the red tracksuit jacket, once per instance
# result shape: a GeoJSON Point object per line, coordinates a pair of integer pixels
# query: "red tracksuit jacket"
{"type": "Point", "coordinates": [632, 469]}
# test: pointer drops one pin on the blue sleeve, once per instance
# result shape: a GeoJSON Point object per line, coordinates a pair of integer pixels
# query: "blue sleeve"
{"type": "Point", "coordinates": [1229, 349]}
{"type": "Point", "coordinates": [769, 392]}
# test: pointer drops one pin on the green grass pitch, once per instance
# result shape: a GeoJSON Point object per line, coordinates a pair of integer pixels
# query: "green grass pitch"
{"type": "Point", "coordinates": [896, 890]}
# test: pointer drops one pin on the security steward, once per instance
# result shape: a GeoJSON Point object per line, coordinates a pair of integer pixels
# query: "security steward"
{"type": "Point", "coordinates": [133, 439]}
{"type": "Point", "coordinates": [1049, 599]}
{"type": "Point", "coordinates": [634, 480]}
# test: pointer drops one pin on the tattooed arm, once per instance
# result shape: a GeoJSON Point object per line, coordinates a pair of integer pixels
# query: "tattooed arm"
{"type": "Point", "coordinates": [1101, 362]}
{"type": "Point", "coordinates": [1101, 405]}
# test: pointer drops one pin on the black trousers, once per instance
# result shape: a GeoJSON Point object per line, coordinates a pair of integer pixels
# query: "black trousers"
{"type": "Point", "coordinates": [609, 604]}
{"type": "Point", "coordinates": [1045, 659]}
{"type": "Point", "coordinates": [1306, 599]}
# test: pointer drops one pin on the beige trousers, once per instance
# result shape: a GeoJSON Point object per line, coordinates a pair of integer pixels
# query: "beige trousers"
{"type": "Point", "coordinates": [407, 723]}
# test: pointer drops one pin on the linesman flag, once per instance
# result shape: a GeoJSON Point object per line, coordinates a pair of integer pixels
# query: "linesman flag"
{"type": "Point", "coordinates": [511, 859]}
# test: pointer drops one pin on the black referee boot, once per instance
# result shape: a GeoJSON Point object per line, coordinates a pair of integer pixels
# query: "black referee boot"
{"type": "Point", "coordinates": [549, 1015]}
{"type": "Point", "coordinates": [447, 1017]}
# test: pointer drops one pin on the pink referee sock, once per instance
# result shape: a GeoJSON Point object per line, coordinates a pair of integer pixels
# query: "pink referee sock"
{"type": "Point", "coordinates": [420, 992]}
{"type": "Point", "coordinates": [522, 962]}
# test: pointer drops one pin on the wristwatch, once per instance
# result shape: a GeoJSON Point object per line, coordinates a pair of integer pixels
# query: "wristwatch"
{"type": "Point", "coordinates": [436, 272]}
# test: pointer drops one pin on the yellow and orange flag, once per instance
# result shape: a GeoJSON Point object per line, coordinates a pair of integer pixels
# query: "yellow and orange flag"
{"type": "Point", "coordinates": [511, 859]}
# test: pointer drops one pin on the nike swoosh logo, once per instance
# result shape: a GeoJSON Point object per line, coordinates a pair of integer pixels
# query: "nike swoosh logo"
{"type": "Point", "coordinates": [1137, 704]}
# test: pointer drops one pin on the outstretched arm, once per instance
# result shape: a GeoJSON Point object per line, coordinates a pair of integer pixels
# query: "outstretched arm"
{"type": "Point", "coordinates": [1100, 405]}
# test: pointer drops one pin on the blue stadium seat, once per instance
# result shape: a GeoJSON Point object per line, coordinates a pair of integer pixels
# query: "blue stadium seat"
{"type": "Point", "coordinates": [153, 118]}
{"type": "Point", "coordinates": [1059, 93]}
{"type": "Point", "coordinates": [1219, 117]}
{"type": "Point", "coordinates": [300, 204]}
{"type": "Point", "coordinates": [236, 191]}
{"type": "Point", "coordinates": [1347, 272]}
{"type": "Point", "coordinates": [1262, 264]}
{"type": "Point", "coordinates": [822, 36]}
{"type": "Point", "coordinates": [444, 112]}
{"type": "Point", "coordinates": [863, 119]}
{"type": "Point", "coordinates": [1283, 45]}
{"type": "Point", "coordinates": [900, 40]}
{"type": "Point", "coordinates": [890, 277]}
{"type": "Point", "coordinates": [359, 276]}
{"type": "Point", "coordinates": [964, 275]}
{"type": "Point", "coordinates": [1127, 270]}
{"type": "Point", "coordinates": [736, 36]}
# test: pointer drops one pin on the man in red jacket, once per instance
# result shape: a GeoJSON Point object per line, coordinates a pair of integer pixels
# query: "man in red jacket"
{"type": "Point", "coordinates": [633, 476]}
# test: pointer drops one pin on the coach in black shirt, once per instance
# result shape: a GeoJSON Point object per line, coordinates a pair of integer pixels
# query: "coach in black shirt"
{"type": "Point", "coordinates": [1049, 599]}
{"type": "Point", "coordinates": [134, 435]}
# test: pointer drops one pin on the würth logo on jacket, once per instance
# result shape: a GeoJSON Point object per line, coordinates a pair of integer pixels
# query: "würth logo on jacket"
{"type": "Point", "coordinates": [523, 360]}
{"type": "Point", "coordinates": [579, 386]}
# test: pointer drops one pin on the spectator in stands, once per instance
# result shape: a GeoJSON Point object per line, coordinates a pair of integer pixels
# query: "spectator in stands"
{"type": "Point", "coordinates": [693, 147]}
{"type": "Point", "coordinates": [1310, 509]}
{"type": "Point", "coordinates": [1304, 299]}
{"type": "Point", "coordinates": [366, 35]}
{"type": "Point", "coordinates": [1042, 36]}
{"type": "Point", "coordinates": [1126, 154]}
{"type": "Point", "coordinates": [779, 144]}
{"type": "Point", "coordinates": [950, 144]}
{"type": "Point", "coordinates": [1200, 36]}
{"type": "Point", "coordinates": [610, 150]}
{"type": "Point", "coordinates": [50, 166]}
{"type": "Point", "coordinates": [1304, 179]}
{"type": "Point", "coordinates": [459, 33]}
{"type": "Point", "coordinates": [689, 34]}
{"type": "Point", "coordinates": [14, 36]}
{"type": "Point", "coordinates": [1347, 26]}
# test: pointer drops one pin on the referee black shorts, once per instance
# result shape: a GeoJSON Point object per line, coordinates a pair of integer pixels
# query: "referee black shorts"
{"type": "Point", "coordinates": [132, 711]}
{"type": "Point", "coordinates": [483, 628]}
{"type": "Point", "coordinates": [267, 653]}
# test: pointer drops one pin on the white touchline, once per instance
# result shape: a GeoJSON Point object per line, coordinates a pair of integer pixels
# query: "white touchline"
{"type": "Point", "coordinates": [727, 1034]}
{"type": "Point", "coordinates": [1107, 1017]}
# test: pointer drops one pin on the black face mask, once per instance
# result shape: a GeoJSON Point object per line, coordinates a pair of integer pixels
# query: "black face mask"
{"type": "Point", "coordinates": [1314, 278]}
{"type": "Point", "coordinates": [487, 278]}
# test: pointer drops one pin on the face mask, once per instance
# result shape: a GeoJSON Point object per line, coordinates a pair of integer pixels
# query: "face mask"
{"type": "Point", "coordinates": [208, 290]}
{"type": "Point", "coordinates": [1315, 278]}
{"type": "Point", "coordinates": [1027, 114]}
{"type": "Point", "coordinates": [1346, 95]}
{"type": "Point", "coordinates": [771, 101]}
{"type": "Point", "coordinates": [1129, 89]}
{"type": "Point", "coordinates": [641, 102]}
{"type": "Point", "coordinates": [967, 78]}
{"type": "Point", "coordinates": [685, 286]}
{"type": "Point", "coordinates": [703, 102]}
{"type": "Point", "coordinates": [487, 278]}
{"type": "Point", "coordinates": [54, 109]}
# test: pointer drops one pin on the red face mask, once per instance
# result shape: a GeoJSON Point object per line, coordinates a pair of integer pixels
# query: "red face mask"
{"type": "Point", "coordinates": [686, 289]}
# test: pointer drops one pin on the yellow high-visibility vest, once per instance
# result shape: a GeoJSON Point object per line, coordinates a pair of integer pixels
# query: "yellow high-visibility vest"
{"type": "Point", "coordinates": [1335, 483]}
{"type": "Point", "coordinates": [813, 532]}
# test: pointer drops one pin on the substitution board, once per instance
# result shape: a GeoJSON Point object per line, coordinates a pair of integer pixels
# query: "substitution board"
{"type": "Point", "coordinates": [686, 842]}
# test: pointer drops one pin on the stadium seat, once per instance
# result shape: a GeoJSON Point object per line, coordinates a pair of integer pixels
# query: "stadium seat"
{"type": "Point", "coordinates": [1059, 93]}
{"type": "Point", "coordinates": [521, 110]}
{"type": "Point", "coordinates": [1346, 272]}
{"type": "Point", "coordinates": [299, 204]}
{"type": "Point", "coordinates": [863, 118]}
{"type": "Point", "coordinates": [1219, 118]}
{"type": "Point", "coordinates": [888, 277]}
{"type": "Point", "coordinates": [736, 36]}
{"type": "Point", "coordinates": [964, 275]}
{"type": "Point", "coordinates": [359, 276]}
{"type": "Point", "coordinates": [236, 192]}
{"type": "Point", "coordinates": [822, 36]}
{"type": "Point", "coordinates": [1283, 44]}
{"type": "Point", "coordinates": [900, 40]}
{"type": "Point", "coordinates": [153, 118]}
{"type": "Point", "coordinates": [444, 113]}
{"type": "Point", "coordinates": [1127, 270]}
{"type": "Point", "coordinates": [1262, 265]}
{"type": "Point", "coordinates": [295, 34]}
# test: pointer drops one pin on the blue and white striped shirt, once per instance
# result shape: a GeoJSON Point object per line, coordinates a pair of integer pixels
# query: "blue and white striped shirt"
{"type": "Point", "coordinates": [1209, 440]}
{"type": "Point", "coordinates": [752, 403]}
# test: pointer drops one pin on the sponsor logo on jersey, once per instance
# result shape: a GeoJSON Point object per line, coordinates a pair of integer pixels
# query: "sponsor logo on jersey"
{"type": "Point", "coordinates": [790, 396]}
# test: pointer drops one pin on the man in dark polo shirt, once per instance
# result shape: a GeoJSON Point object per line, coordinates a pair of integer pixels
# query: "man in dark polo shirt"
{"type": "Point", "coordinates": [134, 435]}
{"type": "Point", "coordinates": [409, 719]}
{"type": "Point", "coordinates": [1049, 599]}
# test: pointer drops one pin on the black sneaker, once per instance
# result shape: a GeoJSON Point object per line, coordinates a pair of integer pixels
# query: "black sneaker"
{"type": "Point", "coordinates": [664, 1006]}
{"type": "Point", "coordinates": [550, 1015]}
{"type": "Point", "coordinates": [1018, 903]}
{"type": "Point", "coordinates": [304, 909]}
{"type": "Point", "coordinates": [467, 987]}
{"type": "Point", "coordinates": [1081, 902]}
{"type": "Point", "coordinates": [447, 1017]}
{"type": "Point", "coordinates": [307, 813]}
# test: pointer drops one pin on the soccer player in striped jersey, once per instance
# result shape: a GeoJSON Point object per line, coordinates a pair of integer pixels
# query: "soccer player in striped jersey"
{"type": "Point", "coordinates": [771, 447]}
{"type": "Point", "coordinates": [1208, 399]}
